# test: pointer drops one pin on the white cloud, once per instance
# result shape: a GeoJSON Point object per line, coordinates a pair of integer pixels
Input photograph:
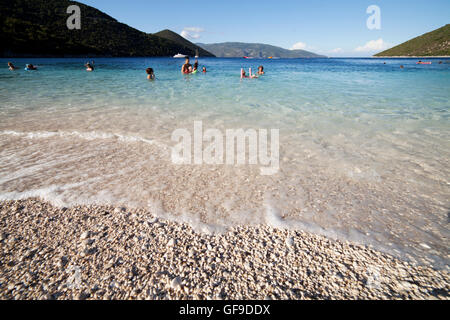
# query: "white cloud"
{"type": "Point", "coordinates": [299, 46]}
{"type": "Point", "coordinates": [373, 45]}
{"type": "Point", "coordinates": [337, 50]}
{"type": "Point", "coordinates": [192, 32]}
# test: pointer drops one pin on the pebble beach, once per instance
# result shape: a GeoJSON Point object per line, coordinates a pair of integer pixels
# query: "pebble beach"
{"type": "Point", "coordinates": [101, 252]}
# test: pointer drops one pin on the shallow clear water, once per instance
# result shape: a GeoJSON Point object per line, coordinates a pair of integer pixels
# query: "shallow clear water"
{"type": "Point", "coordinates": [364, 146]}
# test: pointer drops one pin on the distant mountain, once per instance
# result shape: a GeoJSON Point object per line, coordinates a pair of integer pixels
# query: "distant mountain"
{"type": "Point", "coordinates": [38, 28]}
{"type": "Point", "coordinates": [189, 46]}
{"type": "Point", "coordinates": [257, 50]}
{"type": "Point", "coordinates": [435, 43]}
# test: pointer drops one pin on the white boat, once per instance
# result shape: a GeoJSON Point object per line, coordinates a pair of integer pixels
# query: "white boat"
{"type": "Point", "coordinates": [196, 54]}
{"type": "Point", "coordinates": [179, 55]}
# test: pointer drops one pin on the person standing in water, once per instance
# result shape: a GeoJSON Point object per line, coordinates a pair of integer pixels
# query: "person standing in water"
{"type": "Point", "coordinates": [186, 66]}
{"type": "Point", "coordinates": [261, 70]}
{"type": "Point", "coordinates": [11, 66]}
{"type": "Point", "coordinates": [150, 74]}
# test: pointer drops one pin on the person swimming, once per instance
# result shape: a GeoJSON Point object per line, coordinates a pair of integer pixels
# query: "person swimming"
{"type": "Point", "coordinates": [11, 66]}
{"type": "Point", "coordinates": [186, 66]}
{"type": "Point", "coordinates": [204, 70]}
{"type": "Point", "coordinates": [150, 74]}
{"type": "Point", "coordinates": [30, 67]}
{"type": "Point", "coordinates": [261, 70]}
{"type": "Point", "coordinates": [89, 66]}
{"type": "Point", "coordinates": [423, 62]}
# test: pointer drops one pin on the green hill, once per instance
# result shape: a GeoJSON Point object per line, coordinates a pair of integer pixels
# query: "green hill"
{"type": "Point", "coordinates": [38, 28]}
{"type": "Point", "coordinates": [435, 43]}
{"type": "Point", "coordinates": [175, 37]}
{"type": "Point", "coordinates": [257, 50]}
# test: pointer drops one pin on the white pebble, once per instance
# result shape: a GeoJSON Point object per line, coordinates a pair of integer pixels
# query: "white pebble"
{"type": "Point", "coordinates": [85, 235]}
{"type": "Point", "coordinates": [176, 283]}
{"type": "Point", "coordinates": [290, 241]}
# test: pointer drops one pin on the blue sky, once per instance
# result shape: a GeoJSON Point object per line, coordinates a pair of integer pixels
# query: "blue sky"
{"type": "Point", "coordinates": [330, 27]}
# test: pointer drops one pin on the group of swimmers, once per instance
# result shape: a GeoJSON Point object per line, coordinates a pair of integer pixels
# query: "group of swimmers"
{"type": "Point", "coordinates": [90, 66]}
{"type": "Point", "coordinates": [27, 67]}
{"type": "Point", "coordinates": [188, 69]}
{"type": "Point", "coordinates": [251, 75]}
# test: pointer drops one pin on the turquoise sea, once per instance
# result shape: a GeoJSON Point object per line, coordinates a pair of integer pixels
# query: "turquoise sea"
{"type": "Point", "coordinates": [364, 144]}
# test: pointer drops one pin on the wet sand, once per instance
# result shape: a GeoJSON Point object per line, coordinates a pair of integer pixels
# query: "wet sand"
{"type": "Point", "coordinates": [100, 252]}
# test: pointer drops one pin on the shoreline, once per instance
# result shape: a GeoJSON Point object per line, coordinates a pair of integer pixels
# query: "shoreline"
{"type": "Point", "coordinates": [102, 252]}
